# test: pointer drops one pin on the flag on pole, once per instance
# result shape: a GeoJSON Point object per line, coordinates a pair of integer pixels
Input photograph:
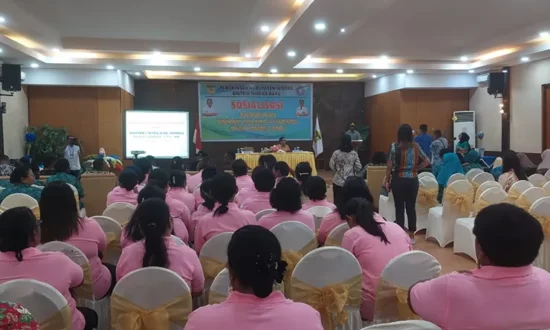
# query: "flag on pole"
{"type": "Point", "coordinates": [317, 139]}
{"type": "Point", "coordinates": [197, 137]}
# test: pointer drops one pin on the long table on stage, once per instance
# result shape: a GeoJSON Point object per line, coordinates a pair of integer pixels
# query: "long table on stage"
{"type": "Point", "coordinates": [291, 158]}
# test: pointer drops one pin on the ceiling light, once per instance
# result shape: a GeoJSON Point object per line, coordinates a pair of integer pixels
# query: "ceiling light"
{"type": "Point", "coordinates": [110, 67]}
{"type": "Point", "coordinates": [464, 58]}
{"type": "Point", "coordinates": [1, 50]}
{"type": "Point", "coordinates": [320, 26]}
{"type": "Point", "coordinates": [525, 59]}
{"type": "Point", "coordinates": [501, 111]}
{"type": "Point", "coordinates": [339, 71]}
{"type": "Point", "coordinates": [308, 56]}
{"type": "Point", "coordinates": [34, 65]}
{"type": "Point", "coordinates": [384, 58]}
{"type": "Point", "coordinates": [137, 74]}
{"type": "Point", "coordinates": [247, 55]}
{"type": "Point", "coordinates": [504, 71]}
{"type": "Point", "coordinates": [374, 76]}
{"type": "Point", "coordinates": [342, 30]}
{"type": "Point", "coordinates": [55, 50]}
{"type": "Point", "coordinates": [471, 71]}
{"type": "Point", "coordinates": [274, 70]}
{"type": "Point", "coordinates": [410, 71]}
{"type": "Point", "coordinates": [156, 53]}
{"type": "Point", "coordinates": [196, 69]}
{"type": "Point", "coordinates": [544, 34]}
{"type": "Point", "coordinates": [291, 53]}
{"type": "Point", "coordinates": [264, 28]}
{"type": "Point", "coordinates": [2, 19]}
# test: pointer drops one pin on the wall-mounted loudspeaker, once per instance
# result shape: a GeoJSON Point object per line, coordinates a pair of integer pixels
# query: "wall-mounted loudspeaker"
{"type": "Point", "coordinates": [11, 77]}
{"type": "Point", "coordinates": [496, 83]}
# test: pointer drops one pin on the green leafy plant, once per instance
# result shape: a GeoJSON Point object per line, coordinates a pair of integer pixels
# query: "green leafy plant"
{"type": "Point", "coordinates": [49, 141]}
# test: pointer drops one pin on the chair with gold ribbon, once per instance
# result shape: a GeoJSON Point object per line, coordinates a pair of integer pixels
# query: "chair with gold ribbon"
{"type": "Point", "coordinates": [296, 241]}
{"type": "Point", "coordinates": [177, 240]}
{"type": "Point", "coordinates": [516, 190]}
{"type": "Point", "coordinates": [397, 277]}
{"type": "Point", "coordinates": [319, 213]}
{"type": "Point", "coordinates": [529, 196]}
{"type": "Point", "coordinates": [456, 177]}
{"type": "Point", "coordinates": [84, 294]}
{"type": "Point", "coordinates": [336, 295]}
{"type": "Point", "coordinates": [213, 258]}
{"type": "Point", "coordinates": [484, 186]}
{"type": "Point", "coordinates": [263, 212]}
{"type": "Point", "coordinates": [150, 298]}
{"type": "Point", "coordinates": [76, 198]}
{"type": "Point", "coordinates": [425, 174]}
{"type": "Point", "coordinates": [457, 203]}
{"type": "Point", "coordinates": [386, 207]}
{"type": "Point", "coordinates": [472, 173]}
{"type": "Point", "coordinates": [538, 180]}
{"type": "Point", "coordinates": [464, 239]}
{"type": "Point", "coordinates": [219, 290]}
{"type": "Point", "coordinates": [120, 211]}
{"type": "Point", "coordinates": [113, 231]}
{"type": "Point", "coordinates": [24, 200]}
{"type": "Point", "coordinates": [335, 237]}
{"type": "Point", "coordinates": [48, 307]}
{"type": "Point", "coordinates": [546, 188]}
{"type": "Point", "coordinates": [426, 199]}
{"type": "Point", "coordinates": [480, 179]}
{"type": "Point", "coordinates": [541, 211]}
{"type": "Point", "coordinates": [404, 325]}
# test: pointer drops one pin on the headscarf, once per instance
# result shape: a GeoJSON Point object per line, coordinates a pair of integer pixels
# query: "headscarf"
{"type": "Point", "coordinates": [545, 164]}
{"type": "Point", "coordinates": [473, 158]}
{"type": "Point", "coordinates": [449, 166]}
{"type": "Point", "coordinates": [524, 161]}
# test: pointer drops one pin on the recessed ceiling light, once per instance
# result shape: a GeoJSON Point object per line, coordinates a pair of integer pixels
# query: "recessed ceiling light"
{"type": "Point", "coordinates": [339, 71]}
{"type": "Point", "coordinates": [410, 71]}
{"type": "Point", "coordinates": [343, 30]}
{"type": "Point", "coordinates": [273, 70]}
{"type": "Point", "coordinates": [525, 59]}
{"type": "Point", "coordinates": [544, 34]}
{"type": "Point", "coordinates": [55, 50]}
{"type": "Point", "coordinates": [308, 56]}
{"type": "Point", "coordinates": [291, 53]}
{"type": "Point", "coordinates": [156, 53]}
{"type": "Point", "coordinates": [34, 65]}
{"type": "Point", "coordinates": [247, 55]}
{"type": "Point", "coordinates": [137, 74]}
{"type": "Point", "coordinates": [464, 58]}
{"type": "Point", "coordinates": [320, 26]}
{"type": "Point", "coordinates": [471, 71]}
{"type": "Point", "coordinates": [110, 67]}
{"type": "Point", "coordinates": [2, 19]}
{"type": "Point", "coordinates": [264, 28]}
{"type": "Point", "coordinates": [384, 58]}
{"type": "Point", "coordinates": [374, 76]}
{"type": "Point", "coordinates": [1, 50]}
{"type": "Point", "coordinates": [504, 71]}
{"type": "Point", "coordinates": [196, 69]}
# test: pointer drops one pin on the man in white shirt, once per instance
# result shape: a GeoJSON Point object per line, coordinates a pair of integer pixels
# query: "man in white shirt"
{"type": "Point", "coordinates": [301, 110]}
{"type": "Point", "coordinates": [209, 110]}
{"type": "Point", "coordinates": [72, 154]}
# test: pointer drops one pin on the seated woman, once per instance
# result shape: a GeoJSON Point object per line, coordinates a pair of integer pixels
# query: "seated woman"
{"type": "Point", "coordinates": [178, 189]}
{"type": "Point", "coordinates": [263, 183]}
{"type": "Point", "coordinates": [544, 165]}
{"type": "Point", "coordinates": [61, 222]}
{"type": "Point", "coordinates": [254, 263]}
{"type": "Point", "coordinates": [157, 248]}
{"type": "Point", "coordinates": [98, 167]}
{"type": "Point", "coordinates": [374, 243]}
{"type": "Point", "coordinates": [246, 193]}
{"type": "Point", "coordinates": [145, 167]}
{"type": "Point", "coordinates": [302, 173]}
{"type": "Point", "coordinates": [505, 291]}
{"type": "Point", "coordinates": [437, 167]}
{"type": "Point", "coordinates": [463, 146]}
{"type": "Point", "coordinates": [282, 144]}
{"type": "Point", "coordinates": [316, 191]}
{"type": "Point", "coordinates": [227, 217]}
{"type": "Point", "coordinates": [472, 160]}
{"type": "Point", "coordinates": [207, 173]}
{"type": "Point", "coordinates": [378, 159]}
{"type": "Point", "coordinates": [285, 198]}
{"type": "Point", "coordinates": [267, 161]}
{"type": "Point", "coordinates": [20, 259]}
{"type": "Point", "coordinates": [528, 167]}
{"type": "Point", "coordinates": [21, 181]}
{"type": "Point", "coordinates": [354, 187]}
{"type": "Point", "coordinates": [280, 170]}
{"type": "Point", "coordinates": [63, 173]}
{"type": "Point", "coordinates": [127, 190]}
{"type": "Point", "coordinates": [196, 179]}
{"type": "Point", "coordinates": [207, 206]}
{"type": "Point", "coordinates": [240, 171]}
{"type": "Point", "coordinates": [450, 165]}
{"type": "Point", "coordinates": [511, 171]}
{"type": "Point", "coordinates": [49, 165]}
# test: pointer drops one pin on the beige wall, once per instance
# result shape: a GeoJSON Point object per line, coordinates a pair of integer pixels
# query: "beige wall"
{"type": "Point", "coordinates": [488, 118]}
{"type": "Point", "coordinates": [15, 121]}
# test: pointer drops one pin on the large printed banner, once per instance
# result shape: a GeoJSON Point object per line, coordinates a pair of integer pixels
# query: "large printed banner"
{"type": "Point", "coordinates": [255, 111]}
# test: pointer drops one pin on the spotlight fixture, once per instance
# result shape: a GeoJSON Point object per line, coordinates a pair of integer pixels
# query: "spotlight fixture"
{"type": "Point", "coordinates": [374, 76]}
{"type": "Point", "coordinates": [339, 71]}
{"type": "Point", "coordinates": [2, 19]}
{"type": "Point", "coordinates": [110, 67]}
{"type": "Point", "coordinates": [504, 71]}
{"type": "Point", "coordinates": [291, 53]}
{"type": "Point", "coordinates": [308, 56]}
{"type": "Point", "coordinates": [410, 71]}
{"type": "Point", "coordinates": [320, 26]}
{"type": "Point", "coordinates": [384, 58]}
{"type": "Point", "coordinates": [196, 69]}
{"type": "Point", "coordinates": [342, 30]}
{"type": "Point", "coordinates": [464, 58]}
{"type": "Point", "coordinates": [247, 55]}
{"type": "Point", "coordinates": [34, 65]}
{"type": "Point", "coordinates": [137, 74]}
{"type": "Point", "coordinates": [55, 50]}
{"type": "Point", "coordinates": [273, 70]}
{"type": "Point", "coordinates": [264, 28]}
{"type": "Point", "coordinates": [525, 59]}
{"type": "Point", "coordinates": [156, 53]}
{"type": "Point", "coordinates": [471, 71]}
{"type": "Point", "coordinates": [544, 34]}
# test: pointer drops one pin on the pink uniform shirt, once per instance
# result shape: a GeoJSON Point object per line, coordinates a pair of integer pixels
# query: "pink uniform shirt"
{"type": "Point", "coordinates": [330, 221]}
{"type": "Point", "coordinates": [194, 181]}
{"type": "Point", "coordinates": [244, 181]}
{"type": "Point", "coordinates": [181, 218]}
{"type": "Point", "coordinates": [271, 220]}
{"type": "Point", "coordinates": [181, 258]}
{"type": "Point", "coordinates": [373, 255]}
{"type": "Point", "coordinates": [182, 195]}
{"type": "Point", "coordinates": [199, 213]}
{"type": "Point", "coordinates": [244, 194]}
{"type": "Point", "coordinates": [490, 298]}
{"type": "Point", "coordinates": [119, 194]}
{"type": "Point", "coordinates": [91, 239]}
{"type": "Point", "coordinates": [198, 198]}
{"type": "Point", "coordinates": [257, 203]}
{"type": "Point", "coordinates": [322, 202]}
{"type": "Point", "coordinates": [53, 268]}
{"type": "Point", "coordinates": [248, 312]}
{"type": "Point", "coordinates": [210, 225]}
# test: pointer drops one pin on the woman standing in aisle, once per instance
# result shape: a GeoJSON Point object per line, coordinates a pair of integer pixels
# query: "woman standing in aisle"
{"type": "Point", "coordinates": [345, 163]}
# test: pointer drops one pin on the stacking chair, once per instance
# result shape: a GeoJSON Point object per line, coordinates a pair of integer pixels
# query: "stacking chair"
{"type": "Point", "coordinates": [120, 211]}
{"type": "Point", "coordinates": [112, 230]}
{"type": "Point", "coordinates": [538, 180]}
{"type": "Point", "coordinates": [213, 258]}
{"type": "Point", "coordinates": [541, 211]}
{"type": "Point", "coordinates": [319, 213]}
{"type": "Point", "coordinates": [529, 196]}
{"type": "Point", "coordinates": [516, 190]}
{"type": "Point", "coordinates": [336, 235]}
{"type": "Point", "coordinates": [426, 199]}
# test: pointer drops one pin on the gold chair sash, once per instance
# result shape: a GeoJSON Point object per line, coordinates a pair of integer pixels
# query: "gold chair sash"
{"type": "Point", "coordinates": [211, 267]}
{"type": "Point", "coordinates": [60, 320]}
{"type": "Point", "coordinates": [480, 204]}
{"type": "Point", "coordinates": [475, 185]}
{"type": "Point", "coordinates": [216, 297]}
{"type": "Point", "coordinates": [292, 258]}
{"type": "Point", "coordinates": [513, 195]}
{"type": "Point", "coordinates": [84, 290]}
{"type": "Point", "coordinates": [523, 203]}
{"type": "Point", "coordinates": [329, 301]}
{"type": "Point", "coordinates": [391, 303]}
{"type": "Point", "coordinates": [427, 197]}
{"type": "Point", "coordinates": [128, 316]}
{"type": "Point", "coordinates": [36, 212]}
{"type": "Point", "coordinates": [544, 221]}
{"type": "Point", "coordinates": [462, 201]}
{"type": "Point", "coordinates": [113, 244]}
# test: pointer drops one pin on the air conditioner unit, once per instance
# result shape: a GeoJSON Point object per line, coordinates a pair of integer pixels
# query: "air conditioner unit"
{"type": "Point", "coordinates": [465, 123]}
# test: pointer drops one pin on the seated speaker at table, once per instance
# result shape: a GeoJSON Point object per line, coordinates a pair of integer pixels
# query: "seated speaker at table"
{"type": "Point", "coordinates": [282, 145]}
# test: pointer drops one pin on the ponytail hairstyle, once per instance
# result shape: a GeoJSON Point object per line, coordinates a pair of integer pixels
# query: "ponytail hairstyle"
{"type": "Point", "coordinates": [18, 227]}
{"type": "Point", "coordinates": [177, 179]}
{"type": "Point", "coordinates": [153, 217]}
{"type": "Point", "coordinates": [132, 229]}
{"type": "Point", "coordinates": [254, 260]}
{"type": "Point", "coordinates": [223, 189]}
{"type": "Point", "coordinates": [206, 194]}
{"type": "Point", "coordinates": [362, 210]}
{"type": "Point", "coordinates": [303, 173]}
{"type": "Point", "coordinates": [177, 164]}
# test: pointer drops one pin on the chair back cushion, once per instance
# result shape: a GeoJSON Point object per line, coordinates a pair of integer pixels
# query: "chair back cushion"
{"type": "Point", "coordinates": [17, 200]}
{"type": "Point", "coordinates": [494, 195]}
{"type": "Point", "coordinates": [456, 177]}
{"type": "Point", "coordinates": [319, 213]}
{"type": "Point", "coordinates": [546, 187]}
{"type": "Point", "coordinates": [264, 212]}
{"type": "Point", "coordinates": [483, 177]}
{"type": "Point", "coordinates": [424, 174]}
{"type": "Point", "coordinates": [336, 235]}
{"type": "Point", "coordinates": [405, 325]}
{"type": "Point", "coordinates": [486, 185]}
{"type": "Point", "coordinates": [472, 173]}
{"type": "Point", "coordinates": [293, 235]}
{"type": "Point", "coordinates": [538, 180]}
{"type": "Point", "coordinates": [219, 290]}
{"type": "Point", "coordinates": [336, 264]}
{"type": "Point", "coordinates": [120, 211]}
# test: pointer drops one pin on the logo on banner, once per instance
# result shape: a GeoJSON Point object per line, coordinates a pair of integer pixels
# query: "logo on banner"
{"type": "Point", "coordinates": [211, 90]}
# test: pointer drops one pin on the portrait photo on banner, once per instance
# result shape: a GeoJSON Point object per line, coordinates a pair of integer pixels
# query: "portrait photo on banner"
{"type": "Point", "coordinates": [237, 111]}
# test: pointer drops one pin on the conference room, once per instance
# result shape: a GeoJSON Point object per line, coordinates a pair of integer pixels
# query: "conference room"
{"type": "Point", "coordinates": [399, 125]}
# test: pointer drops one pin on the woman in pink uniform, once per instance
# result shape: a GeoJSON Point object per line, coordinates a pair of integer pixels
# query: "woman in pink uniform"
{"type": "Point", "coordinates": [158, 249]}
{"type": "Point", "coordinates": [316, 191]}
{"type": "Point", "coordinates": [264, 180]}
{"type": "Point", "coordinates": [254, 263]}
{"type": "Point", "coordinates": [61, 222]}
{"type": "Point", "coordinates": [20, 259]}
{"type": "Point", "coordinates": [505, 291]}
{"type": "Point", "coordinates": [285, 198]}
{"type": "Point", "coordinates": [240, 171]}
{"type": "Point", "coordinates": [246, 193]}
{"type": "Point", "coordinates": [353, 187]}
{"type": "Point", "coordinates": [374, 243]}
{"type": "Point", "coordinates": [208, 205]}
{"type": "Point", "coordinates": [178, 189]}
{"type": "Point", "coordinates": [207, 173]}
{"type": "Point", "coordinates": [126, 191]}
{"type": "Point", "coordinates": [227, 217]}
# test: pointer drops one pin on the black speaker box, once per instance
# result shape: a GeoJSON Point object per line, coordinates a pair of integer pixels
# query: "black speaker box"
{"type": "Point", "coordinates": [11, 77]}
{"type": "Point", "coordinates": [497, 83]}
